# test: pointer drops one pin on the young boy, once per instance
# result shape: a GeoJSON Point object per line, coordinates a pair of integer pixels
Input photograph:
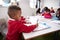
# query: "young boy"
{"type": "Point", "coordinates": [16, 26]}
{"type": "Point", "coordinates": [52, 10]}
{"type": "Point", "coordinates": [58, 13]}
{"type": "Point", "coordinates": [47, 14]}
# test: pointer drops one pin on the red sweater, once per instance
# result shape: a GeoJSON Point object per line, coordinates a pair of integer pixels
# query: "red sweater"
{"type": "Point", "coordinates": [47, 15]}
{"type": "Point", "coordinates": [15, 29]}
{"type": "Point", "coordinates": [52, 11]}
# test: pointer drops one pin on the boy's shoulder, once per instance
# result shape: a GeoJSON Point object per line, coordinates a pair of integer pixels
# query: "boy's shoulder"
{"type": "Point", "coordinates": [12, 22]}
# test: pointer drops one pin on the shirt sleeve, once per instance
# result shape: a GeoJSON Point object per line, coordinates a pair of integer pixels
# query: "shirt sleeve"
{"type": "Point", "coordinates": [23, 20]}
{"type": "Point", "coordinates": [27, 29]}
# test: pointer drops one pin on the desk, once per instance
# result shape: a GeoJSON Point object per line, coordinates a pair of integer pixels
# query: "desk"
{"type": "Point", "coordinates": [54, 27]}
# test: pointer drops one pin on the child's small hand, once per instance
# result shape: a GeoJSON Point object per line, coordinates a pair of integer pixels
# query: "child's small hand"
{"type": "Point", "coordinates": [37, 25]}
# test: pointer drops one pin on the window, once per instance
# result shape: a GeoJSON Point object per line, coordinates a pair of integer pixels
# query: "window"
{"type": "Point", "coordinates": [35, 3]}
{"type": "Point", "coordinates": [32, 3]}
{"type": "Point", "coordinates": [6, 3]}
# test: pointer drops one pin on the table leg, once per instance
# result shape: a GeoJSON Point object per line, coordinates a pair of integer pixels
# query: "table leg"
{"type": "Point", "coordinates": [56, 35]}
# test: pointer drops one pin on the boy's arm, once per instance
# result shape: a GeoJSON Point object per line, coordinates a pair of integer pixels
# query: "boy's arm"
{"type": "Point", "coordinates": [28, 29]}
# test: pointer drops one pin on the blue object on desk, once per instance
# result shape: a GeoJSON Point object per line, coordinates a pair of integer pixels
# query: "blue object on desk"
{"type": "Point", "coordinates": [54, 18]}
{"type": "Point", "coordinates": [45, 24]}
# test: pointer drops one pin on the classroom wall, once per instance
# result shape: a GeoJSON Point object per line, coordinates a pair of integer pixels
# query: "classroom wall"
{"type": "Point", "coordinates": [24, 4]}
{"type": "Point", "coordinates": [3, 12]}
{"type": "Point", "coordinates": [52, 3]}
{"type": "Point", "coordinates": [26, 10]}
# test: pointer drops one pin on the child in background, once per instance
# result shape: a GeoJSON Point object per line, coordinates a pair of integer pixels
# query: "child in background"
{"type": "Point", "coordinates": [38, 11]}
{"type": "Point", "coordinates": [45, 8]}
{"type": "Point", "coordinates": [16, 26]}
{"type": "Point", "coordinates": [58, 13]}
{"type": "Point", "coordinates": [47, 14]}
{"type": "Point", "coordinates": [52, 10]}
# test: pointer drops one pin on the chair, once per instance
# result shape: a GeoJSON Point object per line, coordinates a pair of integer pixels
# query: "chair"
{"type": "Point", "coordinates": [3, 27]}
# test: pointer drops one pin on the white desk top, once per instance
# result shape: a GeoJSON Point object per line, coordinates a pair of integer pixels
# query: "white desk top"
{"type": "Point", "coordinates": [54, 27]}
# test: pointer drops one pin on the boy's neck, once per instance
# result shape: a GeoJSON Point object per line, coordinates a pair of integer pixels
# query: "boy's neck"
{"type": "Point", "coordinates": [18, 19]}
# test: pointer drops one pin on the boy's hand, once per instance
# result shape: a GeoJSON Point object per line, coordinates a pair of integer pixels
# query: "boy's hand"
{"type": "Point", "coordinates": [37, 25]}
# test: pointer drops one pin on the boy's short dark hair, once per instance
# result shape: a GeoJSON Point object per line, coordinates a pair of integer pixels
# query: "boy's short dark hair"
{"type": "Point", "coordinates": [58, 13]}
{"type": "Point", "coordinates": [12, 10]}
{"type": "Point", "coordinates": [47, 10]}
{"type": "Point", "coordinates": [58, 9]}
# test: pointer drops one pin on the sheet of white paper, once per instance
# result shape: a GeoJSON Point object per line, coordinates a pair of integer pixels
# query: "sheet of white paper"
{"type": "Point", "coordinates": [41, 27]}
{"type": "Point", "coordinates": [33, 20]}
{"type": "Point", "coordinates": [56, 21]}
